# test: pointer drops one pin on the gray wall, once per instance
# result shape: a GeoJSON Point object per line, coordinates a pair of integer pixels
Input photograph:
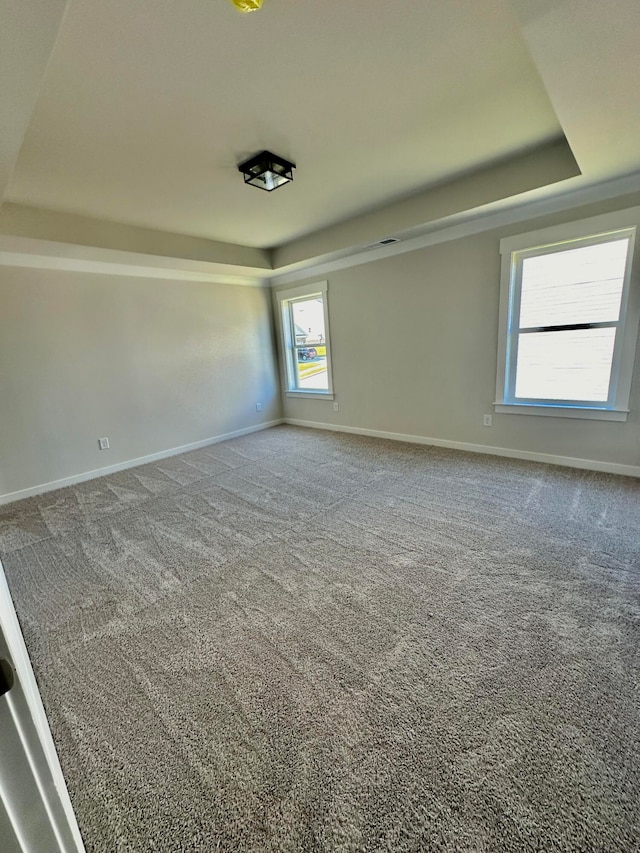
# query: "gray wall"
{"type": "Point", "coordinates": [152, 364]}
{"type": "Point", "coordinates": [414, 341]}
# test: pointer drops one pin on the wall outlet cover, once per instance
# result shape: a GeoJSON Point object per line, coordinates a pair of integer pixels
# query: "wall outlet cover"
{"type": "Point", "coordinates": [103, 443]}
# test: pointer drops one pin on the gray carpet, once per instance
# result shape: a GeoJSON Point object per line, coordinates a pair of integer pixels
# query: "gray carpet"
{"type": "Point", "coordinates": [306, 641]}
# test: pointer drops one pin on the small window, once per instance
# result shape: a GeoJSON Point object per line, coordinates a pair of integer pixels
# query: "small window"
{"type": "Point", "coordinates": [568, 326]}
{"type": "Point", "coordinates": [305, 336]}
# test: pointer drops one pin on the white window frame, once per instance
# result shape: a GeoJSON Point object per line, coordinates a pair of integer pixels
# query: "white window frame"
{"type": "Point", "coordinates": [598, 229]}
{"type": "Point", "coordinates": [285, 299]}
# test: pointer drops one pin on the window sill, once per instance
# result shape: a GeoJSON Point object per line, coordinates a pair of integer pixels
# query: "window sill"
{"type": "Point", "coordinates": [312, 395]}
{"type": "Point", "coordinates": [593, 414]}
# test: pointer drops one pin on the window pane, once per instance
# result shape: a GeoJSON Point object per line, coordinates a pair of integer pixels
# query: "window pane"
{"type": "Point", "coordinates": [310, 352]}
{"type": "Point", "coordinates": [574, 286]}
{"type": "Point", "coordinates": [311, 368]}
{"type": "Point", "coordinates": [565, 365]}
{"type": "Point", "coordinates": [308, 320]}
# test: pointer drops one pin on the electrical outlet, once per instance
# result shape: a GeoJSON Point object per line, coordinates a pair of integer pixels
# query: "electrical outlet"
{"type": "Point", "coordinates": [103, 443]}
{"type": "Point", "coordinates": [336, 407]}
{"type": "Point", "coordinates": [258, 407]}
{"type": "Point", "coordinates": [487, 420]}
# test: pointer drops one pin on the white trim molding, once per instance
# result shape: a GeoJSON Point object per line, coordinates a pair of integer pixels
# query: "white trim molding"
{"type": "Point", "coordinates": [507, 452]}
{"type": "Point", "coordinates": [311, 395]}
{"type": "Point", "coordinates": [618, 219]}
{"type": "Point", "coordinates": [303, 290]}
{"type": "Point", "coordinates": [50, 255]}
{"type": "Point", "coordinates": [283, 302]}
{"type": "Point", "coordinates": [551, 411]}
{"type": "Point", "coordinates": [9, 497]}
{"type": "Point", "coordinates": [45, 764]}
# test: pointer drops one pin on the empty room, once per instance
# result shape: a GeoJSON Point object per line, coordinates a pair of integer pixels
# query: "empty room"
{"type": "Point", "coordinates": [319, 426]}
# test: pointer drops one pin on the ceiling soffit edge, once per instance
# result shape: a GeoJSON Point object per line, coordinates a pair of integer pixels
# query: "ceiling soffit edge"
{"type": "Point", "coordinates": [499, 214]}
{"type": "Point", "coordinates": [28, 231]}
{"type": "Point", "coordinates": [63, 228]}
{"type": "Point", "coordinates": [531, 169]}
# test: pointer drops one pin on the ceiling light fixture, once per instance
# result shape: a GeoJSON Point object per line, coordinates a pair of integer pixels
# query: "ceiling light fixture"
{"type": "Point", "coordinates": [247, 5]}
{"type": "Point", "coordinates": [267, 171]}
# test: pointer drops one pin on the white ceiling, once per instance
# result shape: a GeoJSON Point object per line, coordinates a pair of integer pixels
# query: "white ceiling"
{"type": "Point", "coordinates": [143, 108]}
{"type": "Point", "coordinates": [27, 36]}
{"type": "Point", "coordinates": [147, 106]}
{"type": "Point", "coordinates": [587, 54]}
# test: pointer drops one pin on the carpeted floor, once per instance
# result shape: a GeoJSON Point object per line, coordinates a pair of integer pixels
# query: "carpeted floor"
{"type": "Point", "coordinates": [307, 641]}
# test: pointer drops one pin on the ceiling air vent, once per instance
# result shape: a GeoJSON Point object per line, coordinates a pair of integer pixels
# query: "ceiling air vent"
{"type": "Point", "coordinates": [386, 242]}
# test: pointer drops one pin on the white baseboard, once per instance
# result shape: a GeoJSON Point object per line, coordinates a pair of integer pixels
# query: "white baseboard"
{"type": "Point", "coordinates": [549, 458]}
{"type": "Point", "coordinates": [130, 463]}
{"type": "Point", "coordinates": [530, 456]}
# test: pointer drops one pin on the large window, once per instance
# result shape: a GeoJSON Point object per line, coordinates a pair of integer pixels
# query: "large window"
{"type": "Point", "coordinates": [568, 321]}
{"type": "Point", "coordinates": [305, 336]}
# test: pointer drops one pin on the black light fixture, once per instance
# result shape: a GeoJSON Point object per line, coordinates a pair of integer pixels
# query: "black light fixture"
{"type": "Point", "coordinates": [267, 171]}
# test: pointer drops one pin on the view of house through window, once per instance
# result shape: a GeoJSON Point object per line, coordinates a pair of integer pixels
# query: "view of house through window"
{"type": "Point", "coordinates": [310, 346]}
